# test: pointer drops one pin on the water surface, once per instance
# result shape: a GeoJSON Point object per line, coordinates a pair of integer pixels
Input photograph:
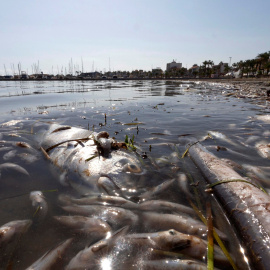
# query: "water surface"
{"type": "Point", "coordinates": [159, 114]}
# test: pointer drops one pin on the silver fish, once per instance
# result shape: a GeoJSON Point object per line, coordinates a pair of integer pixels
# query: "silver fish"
{"type": "Point", "coordinates": [265, 118]}
{"type": "Point", "coordinates": [160, 205]}
{"type": "Point", "coordinates": [100, 199]}
{"type": "Point", "coordinates": [163, 240]}
{"type": "Point", "coordinates": [175, 241]}
{"type": "Point", "coordinates": [89, 258]}
{"type": "Point", "coordinates": [170, 264]}
{"type": "Point", "coordinates": [181, 223]}
{"type": "Point", "coordinates": [154, 192]}
{"type": "Point", "coordinates": [9, 155]}
{"type": "Point", "coordinates": [86, 225]}
{"type": "Point", "coordinates": [263, 149]}
{"type": "Point", "coordinates": [221, 136]}
{"type": "Point", "coordinates": [183, 184]}
{"type": "Point", "coordinates": [50, 257]}
{"type": "Point", "coordinates": [5, 148]}
{"type": "Point", "coordinates": [11, 123]}
{"type": "Point", "coordinates": [13, 166]}
{"type": "Point", "coordinates": [115, 216]}
{"type": "Point", "coordinates": [10, 229]}
{"type": "Point", "coordinates": [39, 203]}
{"type": "Point", "coordinates": [90, 160]}
{"type": "Point", "coordinates": [27, 157]}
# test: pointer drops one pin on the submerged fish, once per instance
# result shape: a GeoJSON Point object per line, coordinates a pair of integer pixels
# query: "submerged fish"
{"type": "Point", "coordinates": [221, 136]}
{"type": "Point", "coordinates": [9, 155]}
{"type": "Point", "coordinates": [39, 203]}
{"type": "Point", "coordinates": [171, 264]}
{"type": "Point", "coordinates": [92, 161]}
{"type": "Point", "coordinates": [89, 258]}
{"type": "Point", "coordinates": [10, 229]}
{"type": "Point", "coordinates": [263, 149]}
{"type": "Point", "coordinates": [175, 241]}
{"type": "Point", "coordinates": [100, 199]}
{"type": "Point", "coordinates": [86, 225]}
{"type": "Point", "coordinates": [115, 216]}
{"type": "Point", "coordinates": [265, 118]}
{"type": "Point", "coordinates": [50, 257]}
{"type": "Point", "coordinates": [160, 205]}
{"type": "Point", "coordinates": [181, 223]}
{"type": "Point", "coordinates": [13, 166]}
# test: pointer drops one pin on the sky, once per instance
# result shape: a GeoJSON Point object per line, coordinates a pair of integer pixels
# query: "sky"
{"type": "Point", "coordinates": [128, 35]}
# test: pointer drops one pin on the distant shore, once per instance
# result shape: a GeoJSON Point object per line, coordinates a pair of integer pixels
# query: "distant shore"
{"type": "Point", "coordinates": [255, 88]}
{"type": "Point", "coordinates": [229, 80]}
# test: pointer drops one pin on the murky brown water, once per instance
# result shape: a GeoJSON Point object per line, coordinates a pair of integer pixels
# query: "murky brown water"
{"type": "Point", "coordinates": [158, 113]}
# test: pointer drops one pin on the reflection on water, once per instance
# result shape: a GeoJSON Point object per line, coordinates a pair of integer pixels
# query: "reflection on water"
{"type": "Point", "coordinates": [159, 115]}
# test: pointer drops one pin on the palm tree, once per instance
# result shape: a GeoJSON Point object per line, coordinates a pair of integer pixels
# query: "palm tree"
{"type": "Point", "coordinates": [262, 59]}
{"type": "Point", "coordinates": [204, 67]}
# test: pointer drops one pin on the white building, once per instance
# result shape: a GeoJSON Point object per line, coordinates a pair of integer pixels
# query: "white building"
{"type": "Point", "coordinates": [173, 64]}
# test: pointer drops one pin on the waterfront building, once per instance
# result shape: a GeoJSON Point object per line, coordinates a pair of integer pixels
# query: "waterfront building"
{"type": "Point", "coordinates": [220, 69]}
{"type": "Point", "coordinates": [173, 65]}
{"type": "Point", "coordinates": [194, 70]}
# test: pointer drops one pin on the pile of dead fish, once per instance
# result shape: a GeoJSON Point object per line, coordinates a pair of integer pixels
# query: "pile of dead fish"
{"type": "Point", "coordinates": [251, 90]}
{"type": "Point", "coordinates": [100, 217]}
{"type": "Point", "coordinates": [121, 231]}
{"type": "Point", "coordinates": [118, 232]}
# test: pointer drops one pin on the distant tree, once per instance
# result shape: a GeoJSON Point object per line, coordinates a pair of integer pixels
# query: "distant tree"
{"type": "Point", "coordinates": [204, 68]}
{"type": "Point", "coordinates": [262, 60]}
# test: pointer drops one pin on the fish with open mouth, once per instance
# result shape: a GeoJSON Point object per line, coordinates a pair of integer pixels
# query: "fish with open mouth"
{"type": "Point", "coordinates": [92, 162]}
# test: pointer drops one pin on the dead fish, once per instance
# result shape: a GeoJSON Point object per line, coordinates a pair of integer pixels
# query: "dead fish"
{"type": "Point", "coordinates": [163, 240]}
{"type": "Point", "coordinates": [174, 241]}
{"type": "Point", "coordinates": [13, 166]}
{"type": "Point", "coordinates": [39, 203]}
{"type": "Point", "coordinates": [100, 199]}
{"type": "Point", "coordinates": [92, 164]}
{"type": "Point", "coordinates": [170, 264]}
{"type": "Point", "coordinates": [265, 118]}
{"type": "Point", "coordinates": [9, 155]}
{"type": "Point", "coordinates": [50, 257]}
{"type": "Point", "coordinates": [5, 148]}
{"type": "Point", "coordinates": [263, 149]}
{"type": "Point", "coordinates": [89, 258]}
{"type": "Point", "coordinates": [154, 192]}
{"type": "Point", "coordinates": [221, 136]}
{"type": "Point", "coordinates": [11, 123]}
{"type": "Point", "coordinates": [183, 184]}
{"type": "Point", "coordinates": [10, 229]}
{"type": "Point", "coordinates": [14, 135]}
{"type": "Point", "coordinates": [27, 157]}
{"type": "Point", "coordinates": [86, 225]}
{"type": "Point", "coordinates": [115, 216]}
{"type": "Point", "coordinates": [214, 148]}
{"type": "Point", "coordinates": [160, 205]}
{"type": "Point", "coordinates": [261, 172]}
{"type": "Point", "coordinates": [181, 223]}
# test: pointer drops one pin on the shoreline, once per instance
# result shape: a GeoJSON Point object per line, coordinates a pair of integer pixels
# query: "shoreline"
{"type": "Point", "coordinates": [253, 88]}
{"type": "Point", "coordinates": [231, 80]}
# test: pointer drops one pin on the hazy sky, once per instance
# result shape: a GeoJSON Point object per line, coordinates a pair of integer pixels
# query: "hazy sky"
{"type": "Point", "coordinates": [127, 35]}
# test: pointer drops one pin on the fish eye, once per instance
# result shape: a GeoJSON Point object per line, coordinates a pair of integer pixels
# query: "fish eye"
{"type": "Point", "coordinates": [133, 168]}
{"type": "Point", "coordinates": [172, 232]}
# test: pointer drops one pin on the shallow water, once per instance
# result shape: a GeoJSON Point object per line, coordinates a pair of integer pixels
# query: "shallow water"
{"type": "Point", "coordinates": [158, 113]}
